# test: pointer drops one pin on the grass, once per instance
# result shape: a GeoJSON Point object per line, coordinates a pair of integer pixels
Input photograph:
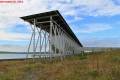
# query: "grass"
{"type": "Point", "coordinates": [102, 66]}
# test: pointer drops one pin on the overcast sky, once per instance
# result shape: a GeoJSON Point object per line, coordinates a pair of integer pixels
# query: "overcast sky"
{"type": "Point", "coordinates": [96, 23]}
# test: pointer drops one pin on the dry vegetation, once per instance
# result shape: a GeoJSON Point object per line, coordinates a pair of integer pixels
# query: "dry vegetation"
{"type": "Point", "coordinates": [96, 66]}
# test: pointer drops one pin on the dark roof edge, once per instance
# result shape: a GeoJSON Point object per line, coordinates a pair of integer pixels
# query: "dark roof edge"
{"type": "Point", "coordinates": [26, 17]}
{"type": "Point", "coordinates": [69, 28]}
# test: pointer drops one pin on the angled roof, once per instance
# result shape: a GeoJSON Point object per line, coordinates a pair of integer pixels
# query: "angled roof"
{"type": "Point", "coordinates": [57, 17]}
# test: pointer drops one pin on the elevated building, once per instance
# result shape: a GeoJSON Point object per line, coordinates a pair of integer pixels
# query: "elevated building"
{"type": "Point", "coordinates": [51, 35]}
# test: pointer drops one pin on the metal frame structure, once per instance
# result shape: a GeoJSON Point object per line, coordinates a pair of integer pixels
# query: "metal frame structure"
{"type": "Point", "coordinates": [51, 40]}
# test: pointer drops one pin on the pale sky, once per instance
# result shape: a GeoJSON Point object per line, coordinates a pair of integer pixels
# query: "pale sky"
{"type": "Point", "coordinates": [96, 23]}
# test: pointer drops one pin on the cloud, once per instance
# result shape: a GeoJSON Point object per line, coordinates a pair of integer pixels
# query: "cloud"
{"type": "Point", "coordinates": [90, 28]}
{"type": "Point", "coordinates": [13, 48]}
{"type": "Point", "coordinates": [14, 36]}
{"type": "Point", "coordinates": [97, 7]}
{"type": "Point", "coordinates": [9, 17]}
{"type": "Point", "coordinates": [79, 8]}
{"type": "Point", "coordinates": [10, 13]}
{"type": "Point", "coordinates": [21, 9]}
{"type": "Point", "coordinates": [67, 7]}
{"type": "Point", "coordinates": [8, 23]}
{"type": "Point", "coordinates": [75, 8]}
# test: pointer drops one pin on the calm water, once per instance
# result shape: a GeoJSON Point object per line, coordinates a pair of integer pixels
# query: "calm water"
{"type": "Point", "coordinates": [12, 56]}
{"type": "Point", "coordinates": [21, 55]}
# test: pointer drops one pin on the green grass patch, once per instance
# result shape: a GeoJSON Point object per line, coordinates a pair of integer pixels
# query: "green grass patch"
{"type": "Point", "coordinates": [116, 59]}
